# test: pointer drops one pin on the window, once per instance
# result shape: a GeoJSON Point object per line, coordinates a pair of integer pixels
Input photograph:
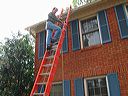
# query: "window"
{"type": "Point", "coordinates": [90, 32]}
{"type": "Point", "coordinates": [97, 87]}
{"type": "Point", "coordinates": [57, 90]}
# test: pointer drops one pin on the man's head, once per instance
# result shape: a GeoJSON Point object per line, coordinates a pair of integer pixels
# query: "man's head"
{"type": "Point", "coordinates": [54, 10]}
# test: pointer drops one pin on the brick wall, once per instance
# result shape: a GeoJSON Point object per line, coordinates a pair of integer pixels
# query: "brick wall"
{"type": "Point", "coordinates": [95, 60]}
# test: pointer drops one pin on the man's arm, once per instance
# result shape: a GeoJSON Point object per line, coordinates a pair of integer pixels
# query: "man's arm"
{"type": "Point", "coordinates": [54, 18]}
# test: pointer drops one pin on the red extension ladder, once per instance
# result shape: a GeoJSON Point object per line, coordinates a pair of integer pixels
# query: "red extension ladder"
{"type": "Point", "coordinates": [48, 66]}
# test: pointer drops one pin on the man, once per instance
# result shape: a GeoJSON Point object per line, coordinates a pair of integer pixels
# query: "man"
{"type": "Point", "coordinates": [50, 26]}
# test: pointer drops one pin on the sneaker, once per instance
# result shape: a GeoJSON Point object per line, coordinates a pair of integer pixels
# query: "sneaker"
{"type": "Point", "coordinates": [48, 47]}
{"type": "Point", "coordinates": [54, 41]}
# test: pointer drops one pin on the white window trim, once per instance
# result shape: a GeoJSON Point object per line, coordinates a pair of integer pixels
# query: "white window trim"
{"type": "Point", "coordinates": [81, 41]}
{"type": "Point", "coordinates": [85, 18]}
{"type": "Point", "coordinates": [85, 83]}
{"type": "Point", "coordinates": [81, 19]}
{"type": "Point", "coordinates": [126, 11]}
{"type": "Point", "coordinates": [107, 86]}
{"type": "Point", "coordinates": [59, 82]}
{"type": "Point", "coordinates": [54, 83]}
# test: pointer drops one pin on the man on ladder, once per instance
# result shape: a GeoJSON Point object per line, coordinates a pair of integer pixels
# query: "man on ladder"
{"type": "Point", "coordinates": [50, 26]}
{"type": "Point", "coordinates": [43, 76]}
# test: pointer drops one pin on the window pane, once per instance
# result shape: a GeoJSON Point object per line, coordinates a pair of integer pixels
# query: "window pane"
{"type": "Point", "coordinates": [95, 87]}
{"type": "Point", "coordinates": [97, 84]}
{"type": "Point", "coordinates": [104, 95]}
{"type": "Point", "coordinates": [56, 90]}
{"type": "Point", "coordinates": [85, 41]}
{"type": "Point", "coordinates": [102, 82]}
{"type": "Point", "coordinates": [90, 33]}
{"type": "Point", "coordinates": [89, 25]}
{"type": "Point", "coordinates": [97, 91]}
{"type": "Point", "coordinates": [93, 38]}
{"type": "Point", "coordinates": [104, 90]}
{"type": "Point", "coordinates": [91, 92]}
{"type": "Point", "coordinates": [90, 83]}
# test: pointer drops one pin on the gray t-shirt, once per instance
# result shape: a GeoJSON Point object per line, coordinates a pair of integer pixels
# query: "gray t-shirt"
{"type": "Point", "coordinates": [53, 18]}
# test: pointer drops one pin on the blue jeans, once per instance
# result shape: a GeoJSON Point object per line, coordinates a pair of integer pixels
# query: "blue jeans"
{"type": "Point", "coordinates": [50, 27]}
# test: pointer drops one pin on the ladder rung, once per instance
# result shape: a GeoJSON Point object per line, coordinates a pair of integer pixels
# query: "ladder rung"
{"type": "Point", "coordinates": [45, 74]}
{"type": "Point", "coordinates": [54, 49]}
{"type": "Point", "coordinates": [50, 57]}
{"type": "Point", "coordinates": [38, 94]}
{"type": "Point", "coordinates": [54, 46]}
{"type": "Point", "coordinates": [42, 83]}
{"type": "Point", "coordinates": [47, 65]}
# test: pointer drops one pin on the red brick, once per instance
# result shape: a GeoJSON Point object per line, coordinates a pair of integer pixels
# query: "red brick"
{"type": "Point", "coordinates": [96, 60]}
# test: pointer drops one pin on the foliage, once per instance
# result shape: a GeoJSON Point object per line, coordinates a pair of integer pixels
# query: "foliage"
{"type": "Point", "coordinates": [17, 61]}
{"type": "Point", "coordinates": [77, 3]}
{"type": "Point", "coordinates": [74, 2]}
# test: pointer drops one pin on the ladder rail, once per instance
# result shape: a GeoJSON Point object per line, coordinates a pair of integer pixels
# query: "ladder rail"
{"type": "Point", "coordinates": [52, 36]}
{"type": "Point", "coordinates": [37, 77]}
{"type": "Point", "coordinates": [56, 57]}
{"type": "Point", "coordinates": [54, 64]}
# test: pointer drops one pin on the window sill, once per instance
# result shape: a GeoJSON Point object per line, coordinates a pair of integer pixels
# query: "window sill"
{"type": "Point", "coordinates": [91, 47]}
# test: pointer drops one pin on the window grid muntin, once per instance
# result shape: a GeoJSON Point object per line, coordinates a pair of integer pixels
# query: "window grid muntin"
{"type": "Point", "coordinates": [56, 91]}
{"type": "Point", "coordinates": [100, 87]}
{"type": "Point", "coordinates": [91, 21]}
{"type": "Point", "coordinates": [95, 26]}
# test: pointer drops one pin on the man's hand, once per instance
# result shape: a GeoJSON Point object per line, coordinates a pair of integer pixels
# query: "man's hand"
{"type": "Point", "coordinates": [60, 18]}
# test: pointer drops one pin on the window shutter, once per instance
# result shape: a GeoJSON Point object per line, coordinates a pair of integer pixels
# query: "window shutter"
{"type": "Point", "coordinates": [41, 88]}
{"type": "Point", "coordinates": [79, 87]}
{"type": "Point", "coordinates": [122, 21]}
{"type": "Point", "coordinates": [75, 35]}
{"type": "Point", "coordinates": [41, 43]}
{"type": "Point", "coordinates": [65, 43]}
{"type": "Point", "coordinates": [104, 28]}
{"type": "Point", "coordinates": [113, 84]}
{"type": "Point", "coordinates": [66, 88]}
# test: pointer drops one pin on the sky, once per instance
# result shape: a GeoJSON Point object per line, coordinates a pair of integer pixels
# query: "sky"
{"type": "Point", "coordinates": [16, 15]}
